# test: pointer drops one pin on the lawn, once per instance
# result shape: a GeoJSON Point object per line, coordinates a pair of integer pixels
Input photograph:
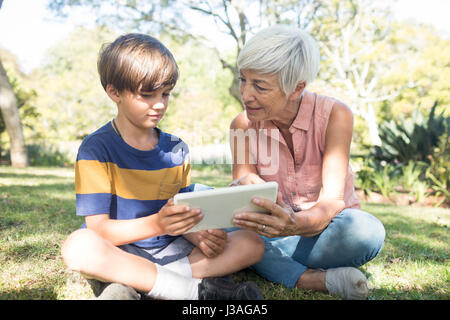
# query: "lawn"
{"type": "Point", "coordinates": [37, 212]}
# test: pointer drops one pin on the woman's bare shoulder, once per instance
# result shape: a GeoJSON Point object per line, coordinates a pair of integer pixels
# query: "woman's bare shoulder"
{"type": "Point", "coordinates": [240, 122]}
{"type": "Point", "coordinates": [341, 112]}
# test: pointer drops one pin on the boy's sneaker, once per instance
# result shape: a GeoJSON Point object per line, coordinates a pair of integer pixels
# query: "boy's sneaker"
{"type": "Point", "coordinates": [117, 291]}
{"type": "Point", "coordinates": [112, 291]}
{"type": "Point", "coordinates": [226, 289]}
{"type": "Point", "coordinates": [97, 286]}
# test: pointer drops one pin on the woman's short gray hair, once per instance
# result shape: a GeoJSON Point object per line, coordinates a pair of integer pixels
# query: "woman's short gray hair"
{"type": "Point", "coordinates": [284, 50]}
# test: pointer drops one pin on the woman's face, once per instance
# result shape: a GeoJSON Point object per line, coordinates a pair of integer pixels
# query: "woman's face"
{"type": "Point", "coordinates": [262, 96]}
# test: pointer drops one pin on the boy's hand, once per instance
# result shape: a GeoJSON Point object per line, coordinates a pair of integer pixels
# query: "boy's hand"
{"type": "Point", "coordinates": [177, 219]}
{"type": "Point", "coordinates": [212, 242]}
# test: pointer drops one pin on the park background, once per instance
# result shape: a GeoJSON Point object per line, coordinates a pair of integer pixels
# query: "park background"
{"type": "Point", "coordinates": [391, 68]}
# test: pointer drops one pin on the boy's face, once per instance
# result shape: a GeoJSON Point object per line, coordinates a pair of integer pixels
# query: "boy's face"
{"type": "Point", "coordinates": [144, 109]}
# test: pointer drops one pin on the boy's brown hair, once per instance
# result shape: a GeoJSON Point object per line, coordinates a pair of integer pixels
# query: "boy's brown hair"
{"type": "Point", "coordinates": [138, 63]}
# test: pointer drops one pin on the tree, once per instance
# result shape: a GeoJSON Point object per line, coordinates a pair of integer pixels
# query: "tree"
{"type": "Point", "coordinates": [72, 103]}
{"type": "Point", "coordinates": [25, 96]}
{"type": "Point", "coordinates": [235, 18]}
{"type": "Point", "coordinates": [8, 106]}
{"type": "Point", "coordinates": [10, 113]}
{"type": "Point", "coordinates": [71, 100]}
{"type": "Point", "coordinates": [358, 52]}
{"type": "Point", "coordinates": [424, 69]}
{"type": "Point", "coordinates": [358, 58]}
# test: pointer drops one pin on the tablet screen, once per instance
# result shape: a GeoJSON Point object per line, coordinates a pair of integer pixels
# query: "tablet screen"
{"type": "Point", "coordinates": [219, 205]}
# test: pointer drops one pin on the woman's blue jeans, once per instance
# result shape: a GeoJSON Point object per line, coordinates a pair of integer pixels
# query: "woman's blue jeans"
{"type": "Point", "coordinates": [352, 238]}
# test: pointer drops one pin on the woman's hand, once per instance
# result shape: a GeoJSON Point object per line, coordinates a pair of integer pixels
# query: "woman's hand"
{"type": "Point", "coordinates": [250, 178]}
{"type": "Point", "coordinates": [279, 223]}
{"type": "Point", "coordinates": [210, 242]}
{"type": "Point", "coordinates": [177, 219]}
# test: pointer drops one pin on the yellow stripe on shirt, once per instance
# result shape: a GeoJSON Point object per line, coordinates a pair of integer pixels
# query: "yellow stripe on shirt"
{"type": "Point", "coordinates": [99, 177]}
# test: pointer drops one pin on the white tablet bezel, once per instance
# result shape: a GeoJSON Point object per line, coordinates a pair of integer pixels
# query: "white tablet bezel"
{"type": "Point", "coordinates": [219, 205]}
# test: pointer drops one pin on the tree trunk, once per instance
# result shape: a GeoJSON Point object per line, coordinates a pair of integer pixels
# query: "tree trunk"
{"type": "Point", "coordinates": [234, 89]}
{"type": "Point", "coordinates": [10, 113]}
{"type": "Point", "coordinates": [373, 126]}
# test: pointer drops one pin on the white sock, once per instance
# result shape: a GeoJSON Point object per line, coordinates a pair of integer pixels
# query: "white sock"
{"type": "Point", "coordinates": [170, 285]}
{"type": "Point", "coordinates": [181, 266]}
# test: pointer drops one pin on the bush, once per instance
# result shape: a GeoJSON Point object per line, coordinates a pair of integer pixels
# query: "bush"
{"type": "Point", "coordinates": [438, 172]}
{"type": "Point", "coordinates": [411, 173]}
{"type": "Point", "coordinates": [411, 139]}
{"type": "Point", "coordinates": [41, 155]}
{"type": "Point", "coordinates": [387, 179]}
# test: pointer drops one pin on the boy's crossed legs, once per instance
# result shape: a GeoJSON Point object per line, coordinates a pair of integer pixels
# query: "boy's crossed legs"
{"type": "Point", "coordinates": [87, 252]}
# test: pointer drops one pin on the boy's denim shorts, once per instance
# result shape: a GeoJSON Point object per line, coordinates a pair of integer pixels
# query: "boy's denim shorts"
{"type": "Point", "coordinates": [173, 257]}
{"type": "Point", "coordinates": [175, 250]}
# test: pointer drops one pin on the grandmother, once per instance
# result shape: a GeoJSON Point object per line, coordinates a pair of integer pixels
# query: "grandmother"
{"type": "Point", "coordinates": [315, 235]}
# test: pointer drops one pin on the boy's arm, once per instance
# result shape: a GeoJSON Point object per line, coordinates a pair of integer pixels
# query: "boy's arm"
{"type": "Point", "coordinates": [172, 220]}
{"type": "Point", "coordinates": [120, 232]}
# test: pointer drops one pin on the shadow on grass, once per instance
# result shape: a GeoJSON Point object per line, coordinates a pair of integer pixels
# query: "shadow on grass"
{"type": "Point", "coordinates": [40, 250]}
{"type": "Point", "coordinates": [29, 176]}
{"type": "Point", "coordinates": [412, 237]}
{"type": "Point", "coordinates": [425, 293]}
{"type": "Point", "coordinates": [46, 292]}
{"type": "Point", "coordinates": [39, 190]}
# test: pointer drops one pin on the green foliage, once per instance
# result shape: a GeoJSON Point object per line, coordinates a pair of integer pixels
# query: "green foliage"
{"type": "Point", "coordinates": [40, 155]}
{"type": "Point", "coordinates": [200, 109]}
{"type": "Point", "coordinates": [411, 173]}
{"type": "Point", "coordinates": [423, 69]}
{"type": "Point", "coordinates": [364, 176]}
{"type": "Point", "coordinates": [71, 100]}
{"type": "Point", "coordinates": [411, 139]}
{"type": "Point", "coordinates": [379, 177]}
{"type": "Point", "coordinates": [420, 147]}
{"type": "Point", "coordinates": [438, 172]}
{"type": "Point", "coordinates": [73, 103]}
{"type": "Point", "coordinates": [415, 178]}
{"type": "Point", "coordinates": [25, 98]}
{"type": "Point", "coordinates": [44, 156]}
{"type": "Point", "coordinates": [385, 178]}
{"type": "Point", "coordinates": [420, 190]}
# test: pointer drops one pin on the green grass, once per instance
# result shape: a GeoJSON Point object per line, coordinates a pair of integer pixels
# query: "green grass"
{"type": "Point", "coordinates": [37, 212]}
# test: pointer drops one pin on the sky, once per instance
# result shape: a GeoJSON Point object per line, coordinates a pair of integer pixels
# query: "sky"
{"type": "Point", "coordinates": [28, 29]}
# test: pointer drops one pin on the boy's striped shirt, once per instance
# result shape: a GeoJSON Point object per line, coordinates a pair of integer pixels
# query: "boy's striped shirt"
{"type": "Point", "coordinates": [114, 178]}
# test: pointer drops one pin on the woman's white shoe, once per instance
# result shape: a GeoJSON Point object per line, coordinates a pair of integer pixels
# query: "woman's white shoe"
{"type": "Point", "coordinates": [347, 282]}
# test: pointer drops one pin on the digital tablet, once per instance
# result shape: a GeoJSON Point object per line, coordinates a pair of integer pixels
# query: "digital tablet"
{"type": "Point", "coordinates": [219, 205]}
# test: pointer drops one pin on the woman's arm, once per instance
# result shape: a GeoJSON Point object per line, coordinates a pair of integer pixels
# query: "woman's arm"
{"type": "Point", "coordinates": [335, 163]}
{"type": "Point", "coordinates": [244, 172]}
{"type": "Point", "coordinates": [337, 153]}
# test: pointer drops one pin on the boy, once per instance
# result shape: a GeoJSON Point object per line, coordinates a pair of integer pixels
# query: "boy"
{"type": "Point", "coordinates": [126, 175]}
